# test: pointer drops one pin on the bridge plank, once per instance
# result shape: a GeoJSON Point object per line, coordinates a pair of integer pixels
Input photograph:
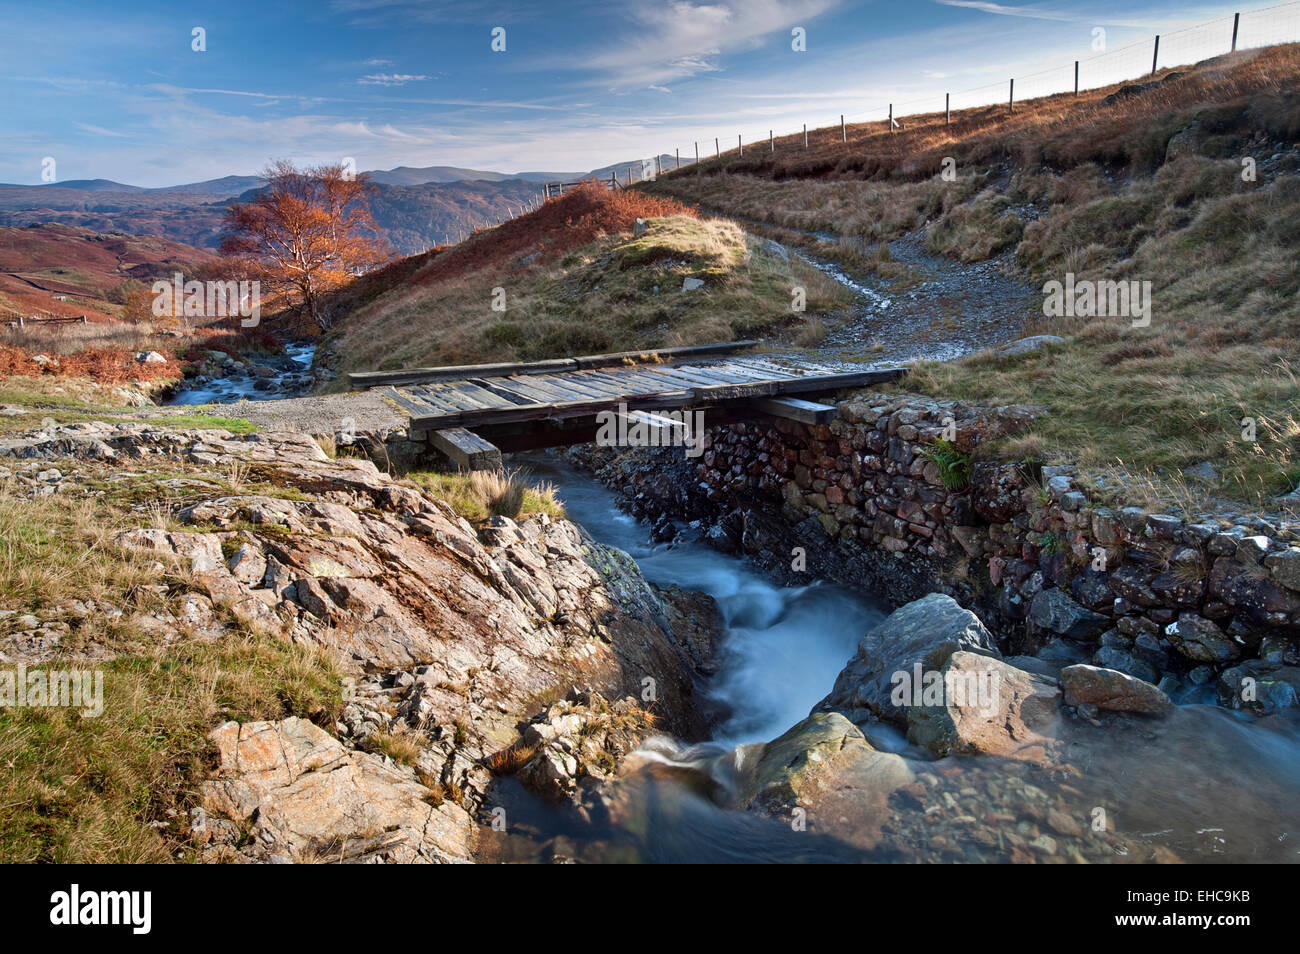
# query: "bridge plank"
{"type": "Point", "coordinates": [797, 409]}
{"type": "Point", "coordinates": [517, 391]}
{"type": "Point", "coordinates": [408, 376]}
{"type": "Point", "coordinates": [571, 382]}
{"type": "Point", "coordinates": [657, 400]}
{"type": "Point", "coordinates": [466, 448]}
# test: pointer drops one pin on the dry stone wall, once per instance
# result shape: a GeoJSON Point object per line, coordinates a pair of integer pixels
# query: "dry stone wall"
{"type": "Point", "coordinates": [1209, 603]}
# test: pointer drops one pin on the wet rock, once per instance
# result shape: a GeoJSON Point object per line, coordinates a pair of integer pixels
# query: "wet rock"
{"type": "Point", "coordinates": [825, 758]}
{"type": "Point", "coordinates": [1259, 687]}
{"type": "Point", "coordinates": [1053, 611]}
{"type": "Point", "coordinates": [914, 639]}
{"type": "Point", "coordinates": [1112, 690]}
{"type": "Point", "coordinates": [986, 706]}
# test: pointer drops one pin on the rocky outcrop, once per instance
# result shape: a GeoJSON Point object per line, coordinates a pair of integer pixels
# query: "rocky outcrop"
{"type": "Point", "coordinates": [584, 736]}
{"type": "Point", "coordinates": [289, 791]}
{"type": "Point", "coordinates": [455, 636]}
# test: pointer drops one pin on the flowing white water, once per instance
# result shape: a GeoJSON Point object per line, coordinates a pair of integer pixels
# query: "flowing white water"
{"type": "Point", "coordinates": [243, 386]}
{"type": "Point", "coordinates": [783, 645]}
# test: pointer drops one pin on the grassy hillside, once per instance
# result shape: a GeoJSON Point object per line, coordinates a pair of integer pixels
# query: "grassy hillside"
{"type": "Point", "coordinates": [574, 279]}
{"type": "Point", "coordinates": [43, 264]}
{"type": "Point", "coordinates": [1141, 183]}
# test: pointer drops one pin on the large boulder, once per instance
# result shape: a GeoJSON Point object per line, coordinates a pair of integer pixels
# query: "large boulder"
{"type": "Point", "coordinates": [1112, 690]}
{"type": "Point", "coordinates": [987, 706]}
{"type": "Point", "coordinates": [915, 639]}
{"type": "Point", "coordinates": [787, 764]}
{"type": "Point", "coordinates": [824, 767]}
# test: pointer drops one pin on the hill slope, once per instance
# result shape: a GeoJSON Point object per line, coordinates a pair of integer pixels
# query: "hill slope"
{"type": "Point", "coordinates": [572, 278]}
{"type": "Point", "coordinates": [1189, 182]}
{"type": "Point", "coordinates": [40, 264]}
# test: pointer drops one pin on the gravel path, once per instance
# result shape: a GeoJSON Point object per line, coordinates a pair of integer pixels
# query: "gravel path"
{"type": "Point", "coordinates": [951, 309]}
{"type": "Point", "coordinates": [359, 412]}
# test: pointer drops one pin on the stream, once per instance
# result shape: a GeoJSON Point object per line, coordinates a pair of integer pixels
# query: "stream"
{"type": "Point", "coordinates": [253, 377]}
{"type": "Point", "coordinates": [1202, 784]}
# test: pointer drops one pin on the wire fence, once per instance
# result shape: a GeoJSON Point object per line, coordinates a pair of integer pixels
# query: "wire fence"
{"type": "Point", "coordinates": [1269, 26]}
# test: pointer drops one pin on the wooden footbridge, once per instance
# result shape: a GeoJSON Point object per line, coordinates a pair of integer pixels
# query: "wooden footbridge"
{"type": "Point", "coordinates": [473, 412]}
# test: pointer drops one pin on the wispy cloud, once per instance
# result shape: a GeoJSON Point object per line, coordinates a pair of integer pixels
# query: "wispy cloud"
{"type": "Point", "coordinates": [685, 38]}
{"type": "Point", "coordinates": [1001, 9]}
{"type": "Point", "coordinates": [390, 79]}
{"type": "Point", "coordinates": [101, 131]}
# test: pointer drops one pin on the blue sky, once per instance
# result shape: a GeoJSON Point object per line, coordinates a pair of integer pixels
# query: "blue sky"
{"type": "Point", "coordinates": [114, 90]}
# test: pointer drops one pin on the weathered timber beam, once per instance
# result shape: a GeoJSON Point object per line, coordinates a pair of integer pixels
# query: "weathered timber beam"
{"type": "Point", "coordinates": [370, 379]}
{"type": "Point", "coordinates": [796, 409]}
{"type": "Point", "coordinates": [466, 448]}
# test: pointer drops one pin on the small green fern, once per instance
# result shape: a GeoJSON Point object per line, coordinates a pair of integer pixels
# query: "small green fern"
{"type": "Point", "coordinates": [954, 466]}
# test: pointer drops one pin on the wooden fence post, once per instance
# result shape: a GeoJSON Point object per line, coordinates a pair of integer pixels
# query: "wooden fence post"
{"type": "Point", "coordinates": [740, 145]}
{"type": "Point", "coordinates": [717, 150]}
{"type": "Point", "coordinates": [1011, 101]}
{"type": "Point", "coordinates": [677, 157]}
{"type": "Point", "coordinates": [697, 150]}
{"type": "Point", "coordinates": [891, 117]}
{"type": "Point", "coordinates": [1236, 22]}
{"type": "Point", "coordinates": [771, 140]}
{"type": "Point", "coordinates": [947, 109]}
{"type": "Point", "coordinates": [805, 136]}
{"type": "Point", "coordinates": [1155, 56]}
{"type": "Point", "coordinates": [844, 133]}
{"type": "Point", "coordinates": [1076, 77]}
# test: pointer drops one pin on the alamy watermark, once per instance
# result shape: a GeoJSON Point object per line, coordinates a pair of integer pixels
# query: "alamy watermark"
{"type": "Point", "coordinates": [623, 428]}
{"type": "Point", "coordinates": [979, 689]}
{"type": "Point", "coordinates": [1086, 298]}
{"type": "Point", "coordinates": [55, 688]}
{"type": "Point", "coordinates": [212, 299]}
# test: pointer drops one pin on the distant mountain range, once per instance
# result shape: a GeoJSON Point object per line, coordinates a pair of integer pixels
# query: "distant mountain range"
{"type": "Point", "coordinates": [415, 207]}
{"type": "Point", "coordinates": [237, 185]}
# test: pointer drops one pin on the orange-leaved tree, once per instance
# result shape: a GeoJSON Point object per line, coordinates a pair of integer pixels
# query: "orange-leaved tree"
{"type": "Point", "coordinates": [307, 232]}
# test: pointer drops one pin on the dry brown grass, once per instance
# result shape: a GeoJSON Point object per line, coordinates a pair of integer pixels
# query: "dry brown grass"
{"type": "Point", "coordinates": [481, 494]}
{"type": "Point", "coordinates": [616, 293]}
{"type": "Point", "coordinates": [1108, 203]}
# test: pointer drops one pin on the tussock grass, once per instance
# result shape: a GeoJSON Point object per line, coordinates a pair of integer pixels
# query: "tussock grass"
{"type": "Point", "coordinates": [481, 494]}
{"type": "Point", "coordinates": [54, 549]}
{"type": "Point", "coordinates": [400, 746]}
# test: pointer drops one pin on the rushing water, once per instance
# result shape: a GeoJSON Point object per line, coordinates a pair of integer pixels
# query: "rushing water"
{"type": "Point", "coordinates": [1201, 784]}
{"type": "Point", "coordinates": [783, 646]}
{"type": "Point", "coordinates": [243, 385]}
